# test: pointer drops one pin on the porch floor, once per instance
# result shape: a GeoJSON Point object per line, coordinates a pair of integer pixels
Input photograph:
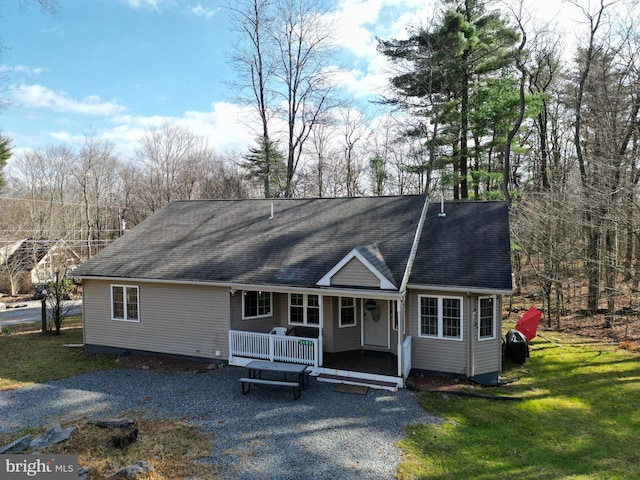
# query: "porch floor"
{"type": "Point", "coordinates": [367, 361]}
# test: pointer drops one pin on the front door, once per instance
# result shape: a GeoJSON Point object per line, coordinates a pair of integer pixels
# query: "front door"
{"type": "Point", "coordinates": [375, 323]}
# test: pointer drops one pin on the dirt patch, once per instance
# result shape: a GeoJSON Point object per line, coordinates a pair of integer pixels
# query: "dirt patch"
{"type": "Point", "coordinates": [164, 364]}
{"type": "Point", "coordinates": [439, 383]}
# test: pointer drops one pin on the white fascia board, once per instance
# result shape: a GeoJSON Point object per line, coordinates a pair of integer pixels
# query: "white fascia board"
{"type": "Point", "coordinates": [384, 282]}
{"type": "Point", "coordinates": [335, 292]}
{"type": "Point", "coordinates": [443, 288]}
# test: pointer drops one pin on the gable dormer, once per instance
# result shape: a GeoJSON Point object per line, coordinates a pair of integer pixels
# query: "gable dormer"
{"type": "Point", "coordinates": [361, 267]}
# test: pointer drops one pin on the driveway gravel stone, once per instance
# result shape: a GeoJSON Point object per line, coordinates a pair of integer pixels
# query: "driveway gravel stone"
{"type": "Point", "coordinates": [262, 435]}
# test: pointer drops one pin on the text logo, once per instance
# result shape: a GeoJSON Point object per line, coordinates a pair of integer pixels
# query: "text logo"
{"type": "Point", "coordinates": [43, 467]}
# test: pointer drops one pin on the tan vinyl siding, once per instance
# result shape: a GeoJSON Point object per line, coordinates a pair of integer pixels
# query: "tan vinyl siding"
{"type": "Point", "coordinates": [488, 353]}
{"type": "Point", "coordinates": [347, 338]}
{"type": "Point", "coordinates": [195, 322]}
{"type": "Point", "coordinates": [354, 273]}
{"type": "Point", "coordinates": [435, 354]}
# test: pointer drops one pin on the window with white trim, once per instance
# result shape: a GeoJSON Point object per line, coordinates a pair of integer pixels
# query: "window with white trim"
{"type": "Point", "coordinates": [440, 317]}
{"type": "Point", "coordinates": [256, 304]}
{"type": "Point", "coordinates": [347, 311]}
{"type": "Point", "coordinates": [486, 318]}
{"type": "Point", "coordinates": [393, 314]}
{"type": "Point", "coordinates": [304, 309]}
{"type": "Point", "coordinates": [125, 304]}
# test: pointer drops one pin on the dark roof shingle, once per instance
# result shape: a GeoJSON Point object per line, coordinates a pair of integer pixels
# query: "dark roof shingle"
{"type": "Point", "coordinates": [467, 248]}
{"type": "Point", "coordinates": [237, 242]}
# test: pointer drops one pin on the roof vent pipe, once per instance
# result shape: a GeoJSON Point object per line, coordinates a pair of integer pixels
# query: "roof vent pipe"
{"type": "Point", "coordinates": [442, 212]}
{"type": "Point", "coordinates": [271, 211]}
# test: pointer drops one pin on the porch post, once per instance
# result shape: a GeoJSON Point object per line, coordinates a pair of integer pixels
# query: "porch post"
{"type": "Point", "coordinates": [319, 359]}
{"type": "Point", "coordinates": [401, 333]}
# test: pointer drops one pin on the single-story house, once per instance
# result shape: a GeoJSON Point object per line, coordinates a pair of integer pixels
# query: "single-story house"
{"type": "Point", "coordinates": [363, 290]}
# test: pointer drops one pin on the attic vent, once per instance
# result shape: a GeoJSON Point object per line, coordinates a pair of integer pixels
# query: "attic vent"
{"type": "Point", "coordinates": [442, 212]}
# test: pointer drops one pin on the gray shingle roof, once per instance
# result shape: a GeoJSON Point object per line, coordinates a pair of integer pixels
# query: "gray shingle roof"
{"type": "Point", "coordinates": [469, 247]}
{"type": "Point", "coordinates": [236, 241]}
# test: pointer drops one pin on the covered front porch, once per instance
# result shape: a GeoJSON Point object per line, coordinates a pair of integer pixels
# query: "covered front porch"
{"type": "Point", "coordinates": [374, 368]}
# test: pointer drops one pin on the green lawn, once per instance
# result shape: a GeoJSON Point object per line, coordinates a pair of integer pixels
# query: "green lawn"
{"type": "Point", "coordinates": [578, 418]}
{"type": "Point", "coordinates": [27, 356]}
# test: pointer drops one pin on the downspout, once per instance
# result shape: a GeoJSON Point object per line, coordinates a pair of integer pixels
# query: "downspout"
{"type": "Point", "coordinates": [405, 282]}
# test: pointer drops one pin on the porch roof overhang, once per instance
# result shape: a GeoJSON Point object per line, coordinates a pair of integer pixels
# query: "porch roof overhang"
{"type": "Point", "coordinates": [327, 291]}
{"type": "Point", "coordinates": [461, 289]}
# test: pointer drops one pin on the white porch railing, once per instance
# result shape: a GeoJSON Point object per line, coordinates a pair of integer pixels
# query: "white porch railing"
{"type": "Point", "coordinates": [406, 357]}
{"type": "Point", "coordinates": [275, 348]}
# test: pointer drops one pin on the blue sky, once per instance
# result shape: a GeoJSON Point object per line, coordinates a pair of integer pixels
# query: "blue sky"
{"type": "Point", "coordinates": [120, 67]}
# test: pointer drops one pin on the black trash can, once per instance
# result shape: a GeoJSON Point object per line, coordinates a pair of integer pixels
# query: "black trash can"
{"type": "Point", "coordinates": [516, 346]}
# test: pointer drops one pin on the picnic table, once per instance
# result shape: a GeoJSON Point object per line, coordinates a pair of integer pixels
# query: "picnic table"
{"type": "Point", "coordinates": [256, 367]}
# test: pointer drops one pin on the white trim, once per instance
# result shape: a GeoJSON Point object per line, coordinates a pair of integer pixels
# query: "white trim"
{"type": "Point", "coordinates": [461, 290]}
{"type": "Point", "coordinates": [360, 378]}
{"type": "Point", "coordinates": [494, 320]}
{"type": "Point", "coordinates": [329, 292]}
{"type": "Point", "coordinates": [125, 307]}
{"type": "Point", "coordinates": [305, 309]}
{"type": "Point", "coordinates": [385, 284]}
{"type": "Point", "coordinates": [414, 246]}
{"type": "Point", "coordinates": [440, 335]}
{"type": "Point", "coordinates": [266, 315]}
{"type": "Point", "coordinates": [393, 316]}
{"type": "Point", "coordinates": [355, 311]}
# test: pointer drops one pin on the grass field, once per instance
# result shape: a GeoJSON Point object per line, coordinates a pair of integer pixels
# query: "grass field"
{"type": "Point", "coordinates": [575, 414]}
{"type": "Point", "coordinates": [28, 356]}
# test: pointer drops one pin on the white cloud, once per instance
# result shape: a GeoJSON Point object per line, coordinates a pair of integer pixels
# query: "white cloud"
{"type": "Point", "coordinates": [357, 26]}
{"type": "Point", "coordinates": [154, 4]}
{"type": "Point", "coordinates": [38, 96]}
{"type": "Point", "coordinates": [222, 127]}
{"type": "Point", "coordinates": [200, 11]}
{"type": "Point", "coordinates": [24, 69]}
{"type": "Point", "coordinates": [357, 23]}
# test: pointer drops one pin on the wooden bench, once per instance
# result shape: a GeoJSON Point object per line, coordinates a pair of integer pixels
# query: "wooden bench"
{"type": "Point", "coordinates": [246, 385]}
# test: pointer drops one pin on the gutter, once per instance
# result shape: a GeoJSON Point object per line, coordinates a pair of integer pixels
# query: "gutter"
{"type": "Point", "coordinates": [462, 289]}
{"type": "Point", "coordinates": [344, 292]}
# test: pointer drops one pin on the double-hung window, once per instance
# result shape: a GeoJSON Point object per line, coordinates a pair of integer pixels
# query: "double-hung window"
{"type": "Point", "coordinates": [347, 311]}
{"type": "Point", "coordinates": [304, 309]}
{"type": "Point", "coordinates": [393, 314]}
{"type": "Point", "coordinates": [256, 304]}
{"type": "Point", "coordinates": [486, 318]}
{"type": "Point", "coordinates": [125, 303]}
{"type": "Point", "coordinates": [440, 317]}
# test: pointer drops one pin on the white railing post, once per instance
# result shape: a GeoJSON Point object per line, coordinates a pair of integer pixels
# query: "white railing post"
{"type": "Point", "coordinates": [406, 357]}
{"type": "Point", "coordinates": [271, 348]}
{"type": "Point", "coordinates": [316, 354]}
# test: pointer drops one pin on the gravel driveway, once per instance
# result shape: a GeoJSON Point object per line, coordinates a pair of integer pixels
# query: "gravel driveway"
{"type": "Point", "coordinates": [325, 434]}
